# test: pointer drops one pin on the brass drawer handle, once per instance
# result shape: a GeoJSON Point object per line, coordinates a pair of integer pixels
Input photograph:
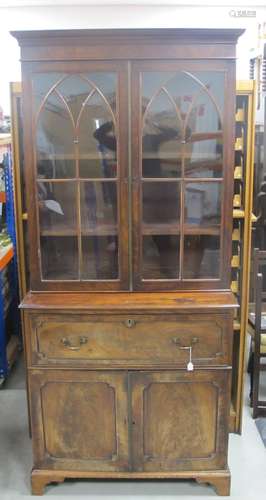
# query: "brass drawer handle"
{"type": "Point", "coordinates": [194, 340]}
{"type": "Point", "coordinates": [177, 342]}
{"type": "Point", "coordinates": [130, 323]}
{"type": "Point", "coordinates": [74, 347]}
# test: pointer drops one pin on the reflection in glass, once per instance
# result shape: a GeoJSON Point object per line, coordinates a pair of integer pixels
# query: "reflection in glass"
{"type": "Point", "coordinates": [214, 81]}
{"type": "Point", "coordinates": [97, 140]}
{"type": "Point", "coordinates": [160, 257]}
{"type": "Point", "coordinates": [191, 104]}
{"type": "Point", "coordinates": [100, 258]}
{"type": "Point", "coordinates": [57, 207]}
{"type": "Point", "coordinates": [59, 258]}
{"type": "Point", "coordinates": [201, 257]}
{"type": "Point", "coordinates": [204, 139]}
{"type": "Point", "coordinates": [161, 142]}
{"type": "Point", "coordinates": [98, 206]}
{"type": "Point", "coordinates": [55, 141]}
{"type": "Point", "coordinates": [106, 83]}
{"type": "Point", "coordinates": [203, 203]}
{"type": "Point", "coordinates": [79, 110]}
{"type": "Point", "coordinates": [42, 83]}
{"type": "Point", "coordinates": [181, 86]}
{"type": "Point", "coordinates": [74, 89]}
{"type": "Point", "coordinates": [161, 202]}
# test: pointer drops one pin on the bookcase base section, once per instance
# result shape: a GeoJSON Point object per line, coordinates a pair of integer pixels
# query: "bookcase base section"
{"type": "Point", "coordinates": [220, 480]}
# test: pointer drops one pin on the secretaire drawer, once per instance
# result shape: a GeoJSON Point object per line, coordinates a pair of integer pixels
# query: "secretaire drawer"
{"type": "Point", "coordinates": [131, 341]}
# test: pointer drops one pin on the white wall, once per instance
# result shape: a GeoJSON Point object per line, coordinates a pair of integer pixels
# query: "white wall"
{"type": "Point", "coordinates": [117, 16]}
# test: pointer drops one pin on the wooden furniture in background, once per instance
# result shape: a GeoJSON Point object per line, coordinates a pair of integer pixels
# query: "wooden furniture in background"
{"type": "Point", "coordinates": [128, 142]}
{"type": "Point", "coordinates": [257, 330]}
{"type": "Point", "coordinates": [242, 227]}
{"type": "Point", "coordinates": [19, 187]}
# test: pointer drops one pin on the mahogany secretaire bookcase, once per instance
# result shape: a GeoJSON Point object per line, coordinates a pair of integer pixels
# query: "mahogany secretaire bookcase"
{"type": "Point", "coordinates": [129, 149]}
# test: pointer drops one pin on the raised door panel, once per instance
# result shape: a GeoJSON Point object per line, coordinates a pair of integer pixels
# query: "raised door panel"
{"type": "Point", "coordinates": [79, 420]}
{"type": "Point", "coordinates": [182, 154]}
{"type": "Point", "coordinates": [179, 420]}
{"type": "Point", "coordinates": [79, 175]}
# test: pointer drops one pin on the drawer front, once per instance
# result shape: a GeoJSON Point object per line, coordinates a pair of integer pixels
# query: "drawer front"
{"type": "Point", "coordinates": [131, 341]}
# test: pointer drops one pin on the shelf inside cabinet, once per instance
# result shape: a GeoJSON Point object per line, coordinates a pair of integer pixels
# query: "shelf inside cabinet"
{"type": "Point", "coordinates": [160, 229]}
{"type": "Point", "coordinates": [99, 230]}
{"type": "Point", "coordinates": [81, 156]}
{"type": "Point", "coordinates": [59, 231]}
{"type": "Point", "coordinates": [201, 230]}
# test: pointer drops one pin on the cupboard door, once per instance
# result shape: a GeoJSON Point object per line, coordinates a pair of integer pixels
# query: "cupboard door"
{"type": "Point", "coordinates": [183, 174]}
{"type": "Point", "coordinates": [179, 420]}
{"type": "Point", "coordinates": [79, 420]}
{"type": "Point", "coordinates": [80, 176]}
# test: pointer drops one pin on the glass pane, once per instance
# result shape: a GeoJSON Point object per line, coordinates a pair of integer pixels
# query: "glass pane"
{"type": "Point", "coordinates": [182, 106]}
{"type": "Point", "coordinates": [55, 141]}
{"type": "Point", "coordinates": [57, 208]}
{"type": "Point", "coordinates": [161, 202]}
{"type": "Point", "coordinates": [59, 258]}
{"type": "Point", "coordinates": [161, 142]}
{"type": "Point", "coordinates": [100, 258]}
{"type": "Point", "coordinates": [106, 84]}
{"type": "Point", "coordinates": [99, 207]}
{"type": "Point", "coordinates": [180, 86]}
{"type": "Point", "coordinates": [75, 90]}
{"type": "Point", "coordinates": [201, 257]}
{"type": "Point", "coordinates": [160, 258]}
{"type": "Point", "coordinates": [204, 139]}
{"type": "Point", "coordinates": [214, 81]}
{"type": "Point", "coordinates": [203, 205]}
{"type": "Point", "coordinates": [97, 140]}
{"type": "Point", "coordinates": [42, 84]}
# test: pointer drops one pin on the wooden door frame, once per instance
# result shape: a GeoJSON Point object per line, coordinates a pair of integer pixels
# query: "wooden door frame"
{"type": "Point", "coordinates": [70, 67]}
{"type": "Point", "coordinates": [228, 67]}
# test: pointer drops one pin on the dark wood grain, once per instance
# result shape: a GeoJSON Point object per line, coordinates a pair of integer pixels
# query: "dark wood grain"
{"type": "Point", "coordinates": [79, 420]}
{"type": "Point", "coordinates": [126, 342]}
{"type": "Point", "coordinates": [110, 393]}
{"type": "Point", "coordinates": [179, 420]}
{"type": "Point", "coordinates": [219, 479]}
{"type": "Point", "coordinates": [160, 302]}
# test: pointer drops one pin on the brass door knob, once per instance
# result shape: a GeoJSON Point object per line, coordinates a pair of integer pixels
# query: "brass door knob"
{"type": "Point", "coordinates": [74, 347]}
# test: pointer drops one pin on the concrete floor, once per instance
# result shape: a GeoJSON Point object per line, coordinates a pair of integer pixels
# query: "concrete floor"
{"type": "Point", "coordinates": [247, 461]}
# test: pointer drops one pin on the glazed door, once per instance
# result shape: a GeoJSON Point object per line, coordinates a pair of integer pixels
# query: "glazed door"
{"type": "Point", "coordinates": [182, 174]}
{"type": "Point", "coordinates": [179, 420]}
{"type": "Point", "coordinates": [80, 230]}
{"type": "Point", "coordinates": [79, 420]}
